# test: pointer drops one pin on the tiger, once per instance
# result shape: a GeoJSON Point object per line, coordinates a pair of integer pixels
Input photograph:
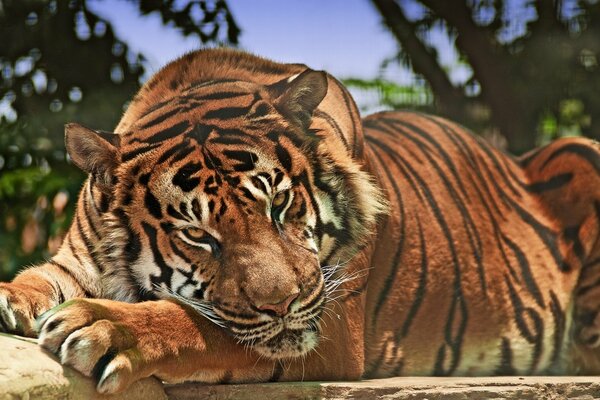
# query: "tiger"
{"type": "Point", "coordinates": [243, 224]}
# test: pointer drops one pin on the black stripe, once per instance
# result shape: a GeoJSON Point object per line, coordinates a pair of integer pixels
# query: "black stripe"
{"type": "Point", "coordinates": [183, 177]}
{"type": "Point", "coordinates": [259, 184]}
{"type": "Point", "coordinates": [556, 182]}
{"type": "Point", "coordinates": [227, 113]}
{"type": "Point", "coordinates": [200, 133]}
{"type": "Point", "coordinates": [220, 95]}
{"type": "Point", "coordinates": [152, 205]}
{"type": "Point", "coordinates": [160, 118]}
{"type": "Point", "coordinates": [165, 134]}
{"type": "Point", "coordinates": [351, 110]}
{"type": "Point", "coordinates": [284, 157]}
{"type": "Point", "coordinates": [467, 152]}
{"type": "Point", "coordinates": [179, 253]}
{"type": "Point", "coordinates": [505, 368]}
{"type": "Point", "coordinates": [526, 274]}
{"type": "Point", "coordinates": [558, 315]}
{"type": "Point", "coordinates": [317, 297]}
{"type": "Point", "coordinates": [440, 150]}
{"type": "Point", "coordinates": [87, 209]}
{"type": "Point", "coordinates": [137, 152]}
{"type": "Point", "coordinates": [61, 295]}
{"type": "Point", "coordinates": [131, 253]}
{"type": "Point", "coordinates": [392, 153]}
{"type": "Point", "coordinates": [370, 370]}
{"type": "Point", "coordinates": [75, 253]}
{"type": "Point", "coordinates": [589, 154]}
{"type": "Point", "coordinates": [247, 159]}
{"type": "Point", "coordinates": [421, 288]}
{"type": "Point", "coordinates": [243, 326]}
{"type": "Point", "coordinates": [175, 149]}
{"type": "Point", "coordinates": [395, 264]}
{"type": "Point", "coordinates": [548, 236]}
{"type": "Point", "coordinates": [204, 83]}
{"type": "Point", "coordinates": [67, 271]}
{"type": "Point", "coordinates": [156, 107]}
{"type": "Point", "coordinates": [334, 125]}
{"type": "Point", "coordinates": [90, 210]}
{"type": "Point", "coordinates": [88, 245]}
{"type": "Point", "coordinates": [231, 140]}
{"type": "Point", "coordinates": [522, 316]}
{"type": "Point", "coordinates": [277, 372]}
{"type": "Point", "coordinates": [174, 213]}
{"type": "Point", "coordinates": [571, 235]}
{"type": "Point", "coordinates": [196, 210]}
{"type": "Point", "coordinates": [247, 193]}
{"type": "Point", "coordinates": [166, 271]}
{"type": "Point", "coordinates": [492, 155]}
{"type": "Point", "coordinates": [183, 154]}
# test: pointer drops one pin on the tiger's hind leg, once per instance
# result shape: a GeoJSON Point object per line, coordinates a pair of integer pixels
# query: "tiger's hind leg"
{"type": "Point", "coordinates": [585, 335]}
{"type": "Point", "coordinates": [564, 179]}
{"type": "Point", "coordinates": [587, 311]}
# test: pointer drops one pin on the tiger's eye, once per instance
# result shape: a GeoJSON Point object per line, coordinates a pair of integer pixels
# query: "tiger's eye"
{"type": "Point", "coordinates": [199, 237]}
{"type": "Point", "coordinates": [279, 199]}
{"type": "Point", "coordinates": [195, 233]}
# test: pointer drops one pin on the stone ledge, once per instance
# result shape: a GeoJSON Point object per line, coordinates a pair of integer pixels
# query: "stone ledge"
{"type": "Point", "coordinates": [413, 388]}
{"type": "Point", "coordinates": [28, 372]}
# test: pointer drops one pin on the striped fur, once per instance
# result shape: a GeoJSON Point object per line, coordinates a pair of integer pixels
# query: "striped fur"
{"type": "Point", "coordinates": [242, 196]}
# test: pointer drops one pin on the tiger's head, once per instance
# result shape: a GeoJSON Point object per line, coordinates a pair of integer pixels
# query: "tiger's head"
{"type": "Point", "coordinates": [227, 196]}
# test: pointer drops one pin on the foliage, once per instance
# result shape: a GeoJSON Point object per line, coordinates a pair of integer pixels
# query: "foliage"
{"type": "Point", "coordinates": [60, 62]}
{"type": "Point", "coordinates": [392, 95]}
{"type": "Point", "coordinates": [533, 65]}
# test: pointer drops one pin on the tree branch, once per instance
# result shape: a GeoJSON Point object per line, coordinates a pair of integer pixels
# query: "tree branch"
{"type": "Point", "coordinates": [492, 71]}
{"type": "Point", "coordinates": [423, 61]}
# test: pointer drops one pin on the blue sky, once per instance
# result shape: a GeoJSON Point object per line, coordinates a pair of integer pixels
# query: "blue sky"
{"type": "Point", "coordinates": [344, 37]}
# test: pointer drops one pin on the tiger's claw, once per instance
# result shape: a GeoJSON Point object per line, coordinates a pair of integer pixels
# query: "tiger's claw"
{"type": "Point", "coordinates": [17, 310]}
{"type": "Point", "coordinates": [82, 335]}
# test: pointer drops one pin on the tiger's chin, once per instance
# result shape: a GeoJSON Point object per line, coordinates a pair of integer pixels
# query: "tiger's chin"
{"type": "Point", "coordinates": [289, 343]}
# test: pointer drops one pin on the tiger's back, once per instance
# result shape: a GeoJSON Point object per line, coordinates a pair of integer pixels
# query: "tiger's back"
{"type": "Point", "coordinates": [477, 266]}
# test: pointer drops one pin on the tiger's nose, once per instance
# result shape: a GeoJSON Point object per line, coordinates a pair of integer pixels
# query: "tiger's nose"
{"type": "Point", "coordinates": [281, 308]}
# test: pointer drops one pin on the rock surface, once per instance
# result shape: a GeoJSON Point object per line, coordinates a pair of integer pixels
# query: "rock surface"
{"type": "Point", "coordinates": [522, 388]}
{"type": "Point", "coordinates": [28, 372]}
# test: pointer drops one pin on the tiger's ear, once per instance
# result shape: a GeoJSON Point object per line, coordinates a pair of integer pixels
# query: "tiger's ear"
{"type": "Point", "coordinates": [299, 98]}
{"type": "Point", "coordinates": [95, 152]}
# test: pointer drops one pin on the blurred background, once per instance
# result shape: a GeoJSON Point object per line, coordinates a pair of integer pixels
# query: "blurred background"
{"type": "Point", "coordinates": [518, 72]}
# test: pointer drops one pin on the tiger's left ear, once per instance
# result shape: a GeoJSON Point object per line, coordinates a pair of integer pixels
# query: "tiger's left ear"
{"type": "Point", "coordinates": [95, 152]}
{"type": "Point", "coordinates": [299, 98]}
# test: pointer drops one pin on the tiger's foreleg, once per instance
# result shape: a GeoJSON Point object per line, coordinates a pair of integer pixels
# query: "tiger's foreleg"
{"type": "Point", "coordinates": [118, 343]}
{"type": "Point", "coordinates": [71, 273]}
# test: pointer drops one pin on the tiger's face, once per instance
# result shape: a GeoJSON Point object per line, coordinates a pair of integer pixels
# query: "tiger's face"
{"type": "Point", "coordinates": [224, 198]}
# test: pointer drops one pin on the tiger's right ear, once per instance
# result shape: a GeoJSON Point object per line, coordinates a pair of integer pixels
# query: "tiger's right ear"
{"type": "Point", "coordinates": [299, 97]}
{"type": "Point", "coordinates": [95, 152]}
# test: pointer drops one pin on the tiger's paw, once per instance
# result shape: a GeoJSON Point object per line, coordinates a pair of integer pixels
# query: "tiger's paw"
{"type": "Point", "coordinates": [91, 338]}
{"type": "Point", "coordinates": [18, 309]}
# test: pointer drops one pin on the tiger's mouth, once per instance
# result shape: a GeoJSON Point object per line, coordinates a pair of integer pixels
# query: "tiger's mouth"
{"type": "Point", "coordinates": [290, 336]}
{"type": "Point", "coordinates": [279, 338]}
{"type": "Point", "coordinates": [289, 342]}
